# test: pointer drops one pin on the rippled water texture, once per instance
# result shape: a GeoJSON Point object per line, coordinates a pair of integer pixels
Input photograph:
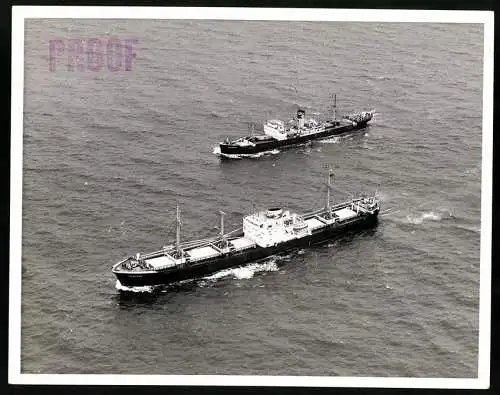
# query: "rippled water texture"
{"type": "Point", "coordinates": [108, 154]}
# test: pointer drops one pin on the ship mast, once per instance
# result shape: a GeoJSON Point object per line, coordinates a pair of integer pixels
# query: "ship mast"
{"type": "Point", "coordinates": [334, 97]}
{"type": "Point", "coordinates": [222, 213]}
{"type": "Point", "coordinates": [178, 233]}
{"type": "Point", "coordinates": [329, 185]}
{"type": "Point", "coordinates": [335, 107]}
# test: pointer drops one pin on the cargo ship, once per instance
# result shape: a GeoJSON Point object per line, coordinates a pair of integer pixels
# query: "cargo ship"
{"type": "Point", "coordinates": [263, 234]}
{"type": "Point", "coordinates": [279, 134]}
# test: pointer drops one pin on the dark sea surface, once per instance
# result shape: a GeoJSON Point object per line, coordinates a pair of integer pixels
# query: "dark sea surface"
{"type": "Point", "coordinates": [108, 154]}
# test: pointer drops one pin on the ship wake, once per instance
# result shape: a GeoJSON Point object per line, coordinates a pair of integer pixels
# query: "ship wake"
{"type": "Point", "coordinates": [245, 272]}
{"type": "Point", "coordinates": [335, 139]}
{"type": "Point", "coordinates": [239, 273]}
{"type": "Point", "coordinates": [435, 215]}
{"type": "Point", "coordinates": [144, 289]}
{"type": "Point", "coordinates": [418, 219]}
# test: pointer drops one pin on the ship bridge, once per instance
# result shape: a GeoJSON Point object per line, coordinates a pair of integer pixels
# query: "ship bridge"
{"type": "Point", "coordinates": [275, 128]}
{"type": "Point", "coordinates": [274, 226]}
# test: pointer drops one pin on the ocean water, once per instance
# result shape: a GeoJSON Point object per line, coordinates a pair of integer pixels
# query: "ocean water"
{"type": "Point", "coordinates": [107, 155]}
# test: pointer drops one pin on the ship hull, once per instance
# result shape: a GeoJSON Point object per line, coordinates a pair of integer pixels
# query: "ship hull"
{"type": "Point", "coordinates": [271, 144]}
{"type": "Point", "coordinates": [209, 266]}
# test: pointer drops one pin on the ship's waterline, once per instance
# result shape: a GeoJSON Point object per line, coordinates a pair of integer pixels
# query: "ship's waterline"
{"type": "Point", "coordinates": [280, 134]}
{"type": "Point", "coordinates": [263, 234]}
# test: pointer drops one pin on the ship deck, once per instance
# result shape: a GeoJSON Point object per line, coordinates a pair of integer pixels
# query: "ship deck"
{"type": "Point", "coordinates": [202, 250]}
{"type": "Point", "coordinates": [161, 260]}
{"type": "Point", "coordinates": [263, 139]}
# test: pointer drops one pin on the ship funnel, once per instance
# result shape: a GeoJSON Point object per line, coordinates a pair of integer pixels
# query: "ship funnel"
{"type": "Point", "coordinates": [274, 212]}
{"type": "Point", "coordinates": [300, 118]}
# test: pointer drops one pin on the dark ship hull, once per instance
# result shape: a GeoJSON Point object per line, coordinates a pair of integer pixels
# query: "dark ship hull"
{"type": "Point", "coordinates": [234, 259]}
{"type": "Point", "coordinates": [265, 143]}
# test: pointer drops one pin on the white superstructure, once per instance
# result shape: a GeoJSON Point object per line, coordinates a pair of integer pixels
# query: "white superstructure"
{"type": "Point", "coordinates": [279, 130]}
{"type": "Point", "coordinates": [268, 228]}
{"type": "Point", "coordinates": [276, 129]}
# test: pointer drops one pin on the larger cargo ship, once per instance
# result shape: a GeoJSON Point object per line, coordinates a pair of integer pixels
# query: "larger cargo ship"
{"type": "Point", "coordinates": [263, 234]}
{"type": "Point", "coordinates": [280, 134]}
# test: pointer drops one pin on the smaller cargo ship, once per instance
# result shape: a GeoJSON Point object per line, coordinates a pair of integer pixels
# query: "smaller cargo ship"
{"type": "Point", "coordinates": [279, 134]}
{"type": "Point", "coordinates": [263, 234]}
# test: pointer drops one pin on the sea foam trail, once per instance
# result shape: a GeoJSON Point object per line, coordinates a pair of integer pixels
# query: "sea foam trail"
{"type": "Point", "coordinates": [430, 216]}
{"type": "Point", "coordinates": [245, 272]}
{"type": "Point", "coordinates": [147, 288]}
{"type": "Point", "coordinates": [240, 273]}
{"type": "Point", "coordinates": [332, 140]}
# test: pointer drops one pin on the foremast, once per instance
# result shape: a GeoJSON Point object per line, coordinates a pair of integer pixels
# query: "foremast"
{"type": "Point", "coordinates": [222, 235]}
{"type": "Point", "coordinates": [328, 187]}
{"type": "Point", "coordinates": [178, 233]}
{"type": "Point", "coordinates": [334, 106]}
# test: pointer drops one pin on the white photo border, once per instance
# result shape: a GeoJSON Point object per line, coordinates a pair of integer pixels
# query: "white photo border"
{"type": "Point", "coordinates": [20, 13]}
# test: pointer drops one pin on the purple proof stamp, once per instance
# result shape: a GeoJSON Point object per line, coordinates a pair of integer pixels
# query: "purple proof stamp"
{"type": "Point", "coordinates": [92, 54]}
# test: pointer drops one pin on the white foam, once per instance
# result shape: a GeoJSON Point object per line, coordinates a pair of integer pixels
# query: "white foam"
{"type": "Point", "coordinates": [332, 140]}
{"type": "Point", "coordinates": [142, 289]}
{"type": "Point", "coordinates": [258, 155]}
{"type": "Point", "coordinates": [416, 220]}
{"type": "Point", "coordinates": [245, 272]}
{"type": "Point", "coordinates": [376, 117]}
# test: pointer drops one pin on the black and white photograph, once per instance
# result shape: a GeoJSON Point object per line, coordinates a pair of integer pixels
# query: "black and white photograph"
{"type": "Point", "coordinates": [283, 197]}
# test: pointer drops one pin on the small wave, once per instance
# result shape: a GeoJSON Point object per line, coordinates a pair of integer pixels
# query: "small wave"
{"type": "Point", "coordinates": [474, 171]}
{"type": "Point", "coordinates": [431, 216]}
{"type": "Point", "coordinates": [332, 140]}
{"type": "Point", "coordinates": [286, 257]}
{"type": "Point", "coordinates": [142, 289]}
{"type": "Point", "coordinates": [473, 229]}
{"type": "Point", "coordinates": [376, 118]}
{"type": "Point", "coordinates": [272, 152]}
